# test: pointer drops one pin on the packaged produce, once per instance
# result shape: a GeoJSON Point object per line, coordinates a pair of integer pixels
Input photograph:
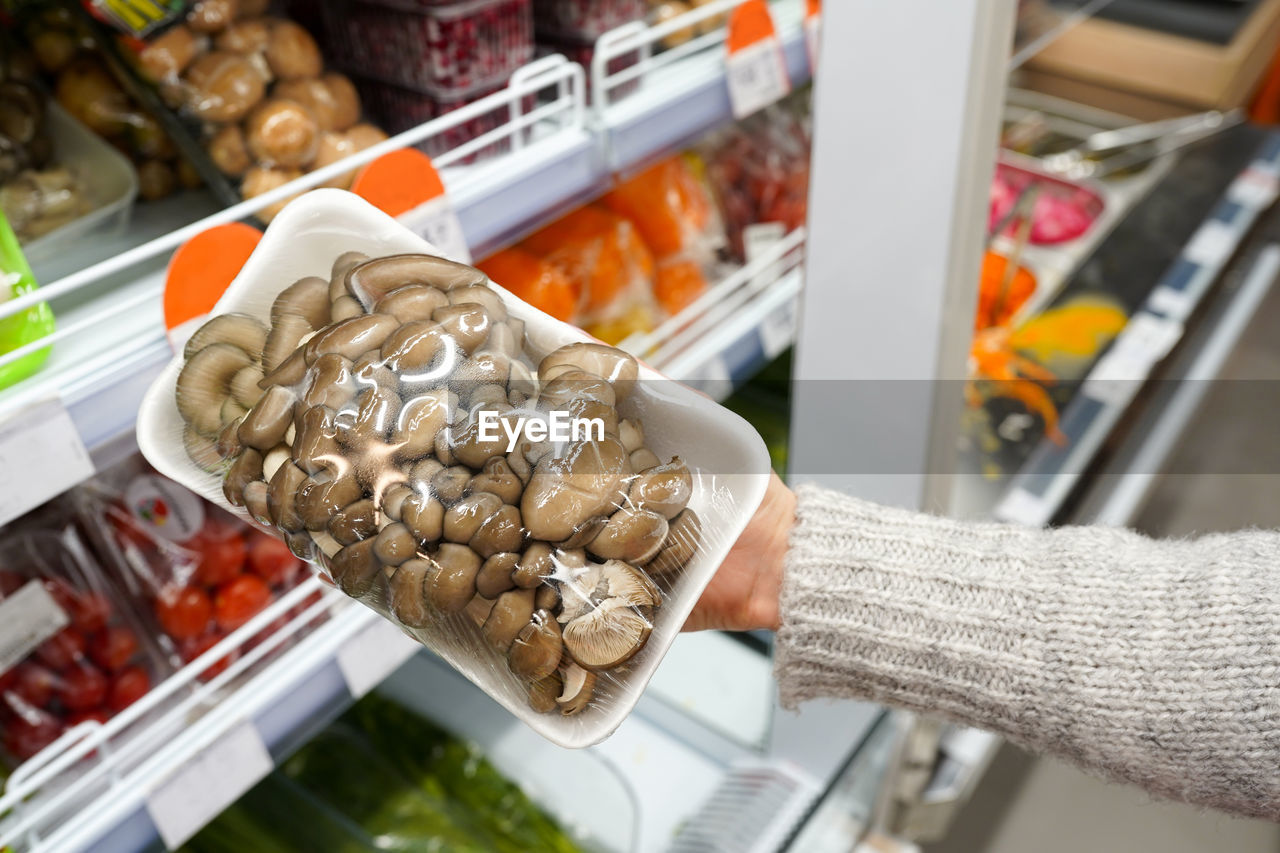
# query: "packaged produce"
{"type": "Point", "coordinates": [583, 52]}
{"type": "Point", "coordinates": [255, 86]}
{"type": "Point", "coordinates": [198, 571]}
{"type": "Point", "coordinates": [409, 427]}
{"type": "Point", "coordinates": [71, 64]}
{"type": "Point", "coordinates": [759, 171]}
{"type": "Point", "coordinates": [398, 108]}
{"type": "Point", "coordinates": [26, 326]}
{"type": "Point", "coordinates": [584, 19]}
{"type": "Point", "coordinates": [444, 48]}
{"type": "Point", "coordinates": [74, 651]}
{"type": "Point", "coordinates": [604, 257]}
{"type": "Point", "coordinates": [1000, 294]}
{"type": "Point", "coordinates": [540, 283]}
{"type": "Point", "coordinates": [1062, 211]}
{"type": "Point", "coordinates": [670, 207]}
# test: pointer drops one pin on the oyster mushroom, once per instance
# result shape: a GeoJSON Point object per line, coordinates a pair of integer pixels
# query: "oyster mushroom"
{"type": "Point", "coordinates": [395, 544]}
{"type": "Point", "coordinates": [631, 434]}
{"type": "Point", "coordinates": [372, 280]}
{"type": "Point", "coordinates": [318, 502]}
{"type": "Point", "coordinates": [543, 693]}
{"type": "Point", "coordinates": [606, 627]}
{"type": "Point", "coordinates": [239, 330]}
{"type": "Point", "coordinates": [355, 522]}
{"type": "Point", "coordinates": [578, 686]}
{"type": "Point", "coordinates": [633, 535]}
{"type": "Point", "coordinates": [409, 593]}
{"type": "Point", "coordinates": [644, 459]}
{"type": "Point", "coordinates": [351, 338]}
{"type": "Point", "coordinates": [416, 302]}
{"type": "Point", "coordinates": [202, 450]}
{"type": "Point", "coordinates": [618, 368]}
{"type": "Point", "coordinates": [255, 501]}
{"type": "Point", "coordinates": [495, 575]}
{"type": "Point", "coordinates": [345, 308]}
{"type": "Point", "coordinates": [665, 489]}
{"type": "Point", "coordinates": [246, 469]}
{"type": "Point", "coordinates": [244, 386]}
{"type": "Point", "coordinates": [420, 421]}
{"type": "Point", "coordinates": [450, 484]}
{"type": "Point", "coordinates": [547, 597]}
{"type": "Point", "coordinates": [485, 523]}
{"type": "Point", "coordinates": [497, 478]}
{"type": "Point", "coordinates": [355, 568]}
{"type": "Point", "coordinates": [307, 298]}
{"type": "Point", "coordinates": [453, 584]}
{"type": "Point", "coordinates": [330, 382]}
{"type": "Point", "coordinates": [268, 421]}
{"type": "Point", "coordinates": [537, 649]}
{"type": "Point", "coordinates": [290, 373]}
{"type": "Point", "coordinates": [510, 614]}
{"type": "Point", "coordinates": [282, 497]}
{"type": "Point", "coordinates": [286, 333]}
{"type": "Point", "coordinates": [566, 491]}
{"type": "Point", "coordinates": [424, 516]}
{"type": "Point", "coordinates": [205, 383]}
{"type": "Point", "coordinates": [467, 324]}
{"type": "Point", "coordinates": [683, 539]}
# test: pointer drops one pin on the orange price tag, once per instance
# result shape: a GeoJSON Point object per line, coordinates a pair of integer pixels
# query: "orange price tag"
{"type": "Point", "coordinates": [756, 67]}
{"type": "Point", "coordinates": [812, 31]}
{"type": "Point", "coordinates": [405, 184]}
{"type": "Point", "coordinates": [201, 270]}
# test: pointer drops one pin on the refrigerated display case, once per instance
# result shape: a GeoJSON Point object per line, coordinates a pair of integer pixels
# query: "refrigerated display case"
{"type": "Point", "coordinates": [881, 317]}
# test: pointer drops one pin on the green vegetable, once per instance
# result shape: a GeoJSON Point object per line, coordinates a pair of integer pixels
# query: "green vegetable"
{"type": "Point", "coordinates": [26, 326]}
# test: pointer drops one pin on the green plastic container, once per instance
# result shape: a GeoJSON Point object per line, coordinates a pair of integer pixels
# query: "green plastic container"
{"type": "Point", "coordinates": [27, 326]}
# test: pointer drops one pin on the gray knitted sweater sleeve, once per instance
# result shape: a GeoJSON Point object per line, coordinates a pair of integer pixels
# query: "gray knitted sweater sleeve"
{"type": "Point", "coordinates": [1153, 662]}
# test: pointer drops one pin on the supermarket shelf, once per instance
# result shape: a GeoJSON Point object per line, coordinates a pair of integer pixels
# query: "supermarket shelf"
{"type": "Point", "coordinates": [109, 343]}
{"type": "Point", "coordinates": [739, 325]}
{"type": "Point", "coordinates": [680, 93]}
{"type": "Point", "coordinates": [1052, 472]}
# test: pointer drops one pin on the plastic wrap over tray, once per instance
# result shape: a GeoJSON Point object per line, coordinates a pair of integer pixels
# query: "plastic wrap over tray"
{"type": "Point", "coordinates": [533, 506]}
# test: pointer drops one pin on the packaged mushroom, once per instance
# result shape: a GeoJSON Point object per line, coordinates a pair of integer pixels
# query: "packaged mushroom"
{"type": "Point", "coordinates": [534, 506]}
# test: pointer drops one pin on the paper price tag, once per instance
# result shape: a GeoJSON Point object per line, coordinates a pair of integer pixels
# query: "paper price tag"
{"type": "Point", "coordinates": [372, 655]}
{"type": "Point", "coordinates": [778, 330]}
{"type": "Point", "coordinates": [41, 455]}
{"type": "Point", "coordinates": [756, 69]}
{"type": "Point", "coordinates": [437, 223]}
{"type": "Point", "coordinates": [1212, 244]}
{"type": "Point", "coordinates": [202, 788]}
{"type": "Point", "coordinates": [28, 617]}
{"type": "Point", "coordinates": [1145, 341]}
{"type": "Point", "coordinates": [1255, 188]}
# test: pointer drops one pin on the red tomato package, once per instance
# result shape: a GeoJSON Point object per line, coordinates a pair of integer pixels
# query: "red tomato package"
{"type": "Point", "coordinates": [72, 650]}
{"type": "Point", "coordinates": [198, 571]}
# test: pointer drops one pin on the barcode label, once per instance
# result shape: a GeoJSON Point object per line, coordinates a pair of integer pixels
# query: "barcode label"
{"type": "Point", "coordinates": [27, 618]}
{"type": "Point", "coordinates": [437, 222]}
{"type": "Point", "coordinates": [757, 75]}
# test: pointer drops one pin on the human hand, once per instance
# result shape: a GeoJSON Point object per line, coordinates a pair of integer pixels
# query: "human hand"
{"type": "Point", "coordinates": [743, 594]}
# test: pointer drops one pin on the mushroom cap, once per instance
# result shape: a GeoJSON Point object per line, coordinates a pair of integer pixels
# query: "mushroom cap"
{"type": "Point", "coordinates": [352, 338]}
{"type": "Point", "coordinates": [239, 330]}
{"type": "Point", "coordinates": [495, 575]}
{"type": "Point", "coordinates": [498, 478]}
{"type": "Point", "coordinates": [372, 280]}
{"type": "Point", "coordinates": [543, 692]}
{"type": "Point", "coordinates": [664, 489]}
{"type": "Point", "coordinates": [319, 502]}
{"type": "Point", "coordinates": [395, 544]}
{"type": "Point", "coordinates": [683, 538]}
{"type": "Point", "coordinates": [453, 583]}
{"type": "Point", "coordinates": [307, 298]}
{"type": "Point", "coordinates": [618, 368]}
{"type": "Point", "coordinates": [205, 383]}
{"type": "Point", "coordinates": [355, 568]}
{"type": "Point", "coordinates": [578, 685]}
{"type": "Point", "coordinates": [511, 613]}
{"type": "Point", "coordinates": [409, 594]}
{"type": "Point", "coordinates": [413, 302]}
{"type": "Point", "coordinates": [633, 535]}
{"type": "Point", "coordinates": [537, 649]}
{"type": "Point", "coordinates": [563, 492]}
{"type": "Point", "coordinates": [269, 419]}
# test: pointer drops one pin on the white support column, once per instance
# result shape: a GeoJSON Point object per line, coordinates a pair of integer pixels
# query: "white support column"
{"type": "Point", "coordinates": [907, 114]}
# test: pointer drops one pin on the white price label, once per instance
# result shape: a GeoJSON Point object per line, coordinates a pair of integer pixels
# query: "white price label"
{"type": "Point", "coordinates": [436, 222]}
{"type": "Point", "coordinates": [1173, 303]}
{"type": "Point", "coordinates": [812, 39]}
{"type": "Point", "coordinates": [1255, 188]}
{"type": "Point", "coordinates": [757, 75]}
{"type": "Point", "coordinates": [41, 456]}
{"type": "Point", "coordinates": [201, 789]}
{"type": "Point", "coordinates": [778, 330]}
{"type": "Point", "coordinates": [1212, 244]}
{"type": "Point", "coordinates": [1145, 341]}
{"type": "Point", "coordinates": [28, 617]}
{"type": "Point", "coordinates": [757, 241]}
{"type": "Point", "coordinates": [372, 655]}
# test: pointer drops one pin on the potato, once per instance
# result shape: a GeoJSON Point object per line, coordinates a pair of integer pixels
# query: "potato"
{"type": "Point", "coordinates": [282, 133]}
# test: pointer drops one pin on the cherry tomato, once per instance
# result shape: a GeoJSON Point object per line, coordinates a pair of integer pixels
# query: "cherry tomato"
{"type": "Point", "coordinates": [222, 555]}
{"type": "Point", "coordinates": [10, 582]}
{"type": "Point", "coordinates": [235, 603]}
{"type": "Point", "coordinates": [89, 612]}
{"type": "Point", "coordinates": [62, 649]}
{"type": "Point", "coordinates": [130, 685]}
{"type": "Point", "coordinates": [271, 560]}
{"type": "Point", "coordinates": [97, 715]}
{"type": "Point", "coordinates": [34, 684]}
{"type": "Point", "coordinates": [113, 648]}
{"type": "Point", "coordinates": [7, 679]}
{"type": "Point", "coordinates": [82, 687]}
{"type": "Point", "coordinates": [192, 649]}
{"type": "Point", "coordinates": [25, 737]}
{"type": "Point", "coordinates": [183, 611]}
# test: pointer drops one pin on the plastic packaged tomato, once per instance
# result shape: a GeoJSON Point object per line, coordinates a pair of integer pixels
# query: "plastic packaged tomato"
{"type": "Point", "coordinates": [603, 255]}
{"type": "Point", "coordinates": [198, 571]}
{"type": "Point", "coordinates": [71, 649]}
{"type": "Point", "coordinates": [538, 508]}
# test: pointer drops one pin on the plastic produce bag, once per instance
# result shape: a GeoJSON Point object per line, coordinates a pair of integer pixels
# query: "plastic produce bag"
{"type": "Point", "coordinates": [26, 326]}
{"type": "Point", "coordinates": [198, 571]}
{"type": "Point", "coordinates": [537, 508]}
{"type": "Point", "coordinates": [72, 650]}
